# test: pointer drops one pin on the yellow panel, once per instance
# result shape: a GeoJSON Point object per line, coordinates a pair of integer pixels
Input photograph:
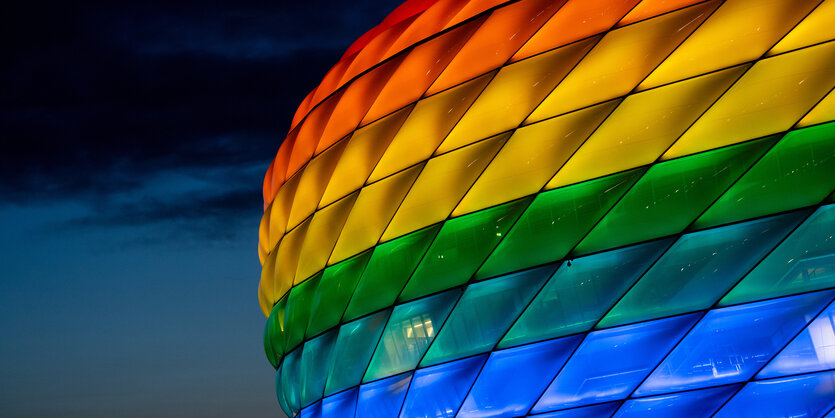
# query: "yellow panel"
{"type": "Point", "coordinates": [621, 60]}
{"type": "Point", "coordinates": [280, 210]}
{"type": "Point", "coordinates": [314, 178]}
{"type": "Point", "coordinates": [321, 236]}
{"type": "Point", "coordinates": [773, 95]}
{"type": "Point", "coordinates": [361, 155]}
{"type": "Point", "coordinates": [287, 258]}
{"type": "Point", "coordinates": [440, 186]}
{"type": "Point", "coordinates": [822, 112]}
{"type": "Point", "coordinates": [267, 284]}
{"type": "Point", "coordinates": [644, 126]}
{"type": "Point", "coordinates": [427, 125]}
{"type": "Point", "coordinates": [371, 213]}
{"type": "Point", "coordinates": [263, 300]}
{"type": "Point", "coordinates": [739, 31]}
{"type": "Point", "coordinates": [515, 90]}
{"type": "Point", "coordinates": [816, 28]}
{"type": "Point", "coordinates": [264, 233]}
{"type": "Point", "coordinates": [531, 156]}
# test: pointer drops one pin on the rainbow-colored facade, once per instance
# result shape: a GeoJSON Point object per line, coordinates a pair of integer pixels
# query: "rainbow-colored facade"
{"type": "Point", "coordinates": [569, 208]}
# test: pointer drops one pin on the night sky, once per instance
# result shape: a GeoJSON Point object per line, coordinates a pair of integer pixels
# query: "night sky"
{"type": "Point", "coordinates": [135, 137]}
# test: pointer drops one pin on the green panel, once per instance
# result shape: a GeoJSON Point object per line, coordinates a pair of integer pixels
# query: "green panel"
{"type": "Point", "coordinates": [484, 313]}
{"type": "Point", "coordinates": [699, 268]}
{"type": "Point", "coordinates": [298, 311]}
{"type": "Point", "coordinates": [671, 195]}
{"type": "Point", "coordinates": [581, 292]}
{"type": "Point", "coordinates": [316, 357]}
{"type": "Point", "coordinates": [555, 222]}
{"type": "Point", "coordinates": [352, 351]}
{"type": "Point", "coordinates": [804, 262]}
{"type": "Point", "coordinates": [799, 171]}
{"type": "Point", "coordinates": [289, 380]}
{"type": "Point", "coordinates": [272, 355]}
{"type": "Point", "coordinates": [276, 327]}
{"type": "Point", "coordinates": [390, 266]}
{"type": "Point", "coordinates": [336, 286]}
{"type": "Point", "coordinates": [410, 330]}
{"type": "Point", "coordinates": [460, 248]}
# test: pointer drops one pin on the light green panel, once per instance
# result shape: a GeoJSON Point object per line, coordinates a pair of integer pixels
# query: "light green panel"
{"type": "Point", "coordinates": [313, 369]}
{"type": "Point", "coordinates": [298, 311]}
{"type": "Point", "coordinates": [352, 351]}
{"type": "Point", "coordinates": [580, 293]}
{"type": "Point", "coordinates": [336, 286]}
{"type": "Point", "coordinates": [484, 313]}
{"type": "Point", "coordinates": [699, 268]}
{"type": "Point", "coordinates": [799, 171]}
{"type": "Point", "coordinates": [289, 380]}
{"type": "Point", "coordinates": [671, 195]}
{"type": "Point", "coordinates": [804, 262]}
{"type": "Point", "coordinates": [460, 248]}
{"type": "Point", "coordinates": [410, 330]}
{"type": "Point", "coordinates": [390, 266]}
{"type": "Point", "coordinates": [275, 329]}
{"type": "Point", "coordinates": [555, 222]}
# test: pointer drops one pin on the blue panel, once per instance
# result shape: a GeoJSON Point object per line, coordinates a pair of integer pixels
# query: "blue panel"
{"type": "Point", "coordinates": [513, 379]}
{"type": "Point", "coordinates": [438, 391]}
{"type": "Point", "coordinates": [313, 369]}
{"type": "Point", "coordinates": [341, 405]}
{"type": "Point", "coordinates": [593, 411]}
{"type": "Point", "coordinates": [810, 395]}
{"type": "Point", "coordinates": [289, 380]}
{"type": "Point", "coordinates": [383, 398]}
{"type": "Point", "coordinates": [697, 403]}
{"type": "Point", "coordinates": [280, 393]}
{"type": "Point", "coordinates": [312, 411]}
{"type": "Point", "coordinates": [611, 363]}
{"type": "Point", "coordinates": [730, 344]}
{"type": "Point", "coordinates": [811, 351]}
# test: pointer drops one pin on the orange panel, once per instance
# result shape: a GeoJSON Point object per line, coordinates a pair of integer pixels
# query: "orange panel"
{"type": "Point", "coordinates": [266, 189]}
{"type": "Point", "coordinates": [372, 54]}
{"type": "Point", "coordinates": [472, 8]}
{"type": "Point", "coordinates": [651, 8]}
{"type": "Point", "coordinates": [427, 24]}
{"type": "Point", "coordinates": [282, 159]}
{"type": "Point", "coordinates": [309, 132]}
{"type": "Point", "coordinates": [331, 80]}
{"type": "Point", "coordinates": [304, 107]}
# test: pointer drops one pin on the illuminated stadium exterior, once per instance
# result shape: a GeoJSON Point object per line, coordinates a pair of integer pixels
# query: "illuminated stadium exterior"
{"type": "Point", "coordinates": [568, 208]}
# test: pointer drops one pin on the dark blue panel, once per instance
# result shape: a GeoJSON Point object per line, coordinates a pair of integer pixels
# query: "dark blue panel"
{"type": "Point", "coordinates": [810, 395]}
{"type": "Point", "coordinates": [513, 379]}
{"type": "Point", "coordinates": [594, 411]}
{"type": "Point", "coordinates": [383, 398]}
{"type": "Point", "coordinates": [611, 363]}
{"type": "Point", "coordinates": [312, 411]}
{"type": "Point", "coordinates": [811, 351]}
{"type": "Point", "coordinates": [696, 403]}
{"type": "Point", "coordinates": [439, 390]}
{"type": "Point", "coordinates": [730, 344]}
{"type": "Point", "coordinates": [341, 405]}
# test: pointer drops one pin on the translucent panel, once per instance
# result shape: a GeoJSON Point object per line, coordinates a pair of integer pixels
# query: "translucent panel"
{"type": "Point", "coordinates": [272, 356]}
{"type": "Point", "coordinates": [581, 291]}
{"type": "Point", "coordinates": [513, 93]}
{"type": "Point", "coordinates": [643, 126]}
{"type": "Point", "coordinates": [739, 31]}
{"type": "Point", "coordinates": [312, 411]}
{"type": "Point", "coordinates": [676, 191]}
{"type": "Point", "coordinates": [287, 259]}
{"type": "Point", "coordinates": [321, 236]}
{"type": "Point", "coordinates": [697, 403]}
{"type": "Point", "coordinates": [575, 20]}
{"type": "Point", "coordinates": [811, 351]}
{"type": "Point", "coordinates": [288, 383]}
{"type": "Point", "coordinates": [333, 293]}
{"type": "Point", "coordinates": [637, 48]}
{"type": "Point", "coordinates": [700, 268]}
{"type": "Point", "coordinates": [824, 111]}
{"type": "Point", "coordinates": [266, 286]}
{"type": "Point", "coordinates": [438, 391]}
{"type": "Point", "coordinates": [370, 51]}
{"type": "Point", "coordinates": [430, 21]}
{"type": "Point", "coordinates": [609, 364]}
{"type": "Point", "coordinates": [274, 338]}
{"type": "Point", "coordinates": [484, 313]}
{"type": "Point", "coordinates": [531, 156]}
{"type": "Point", "coordinates": [364, 149]}
{"type": "Point", "coordinates": [512, 379]}
{"type": "Point", "coordinates": [390, 266]}
{"type": "Point", "coordinates": [315, 360]}
{"type": "Point", "coordinates": [470, 9]}
{"type": "Point", "coordinates": [441, 185]}
{"type": "Point", "coordinates": [771, 97]}
{"type": "Point", "coordinates": [461, 246]}
{"type": "Point", "coordinates": [341, 405]}
{"type": "Point", "coordinates": [649, 8]}
{"type": "Point", "coordinates": [801, 396]}
{"type": "Point", "coordinates": [554, 222]}
{"type": "Point", "coordinates": [593, 411]}
{"type": "Point", "coordinates": [352, 351]}
{"type": "Point", "coordinates": [805, 261]}
{"type": "Point", "coordinates": [815, 28]}
{"type": "Point", "coordinates": [280, 394]}
{"type": "Point", "coordinates": [797, 172]}
{"type": "Point", "coordinates": [496, 40]}
{"type": "Point", "coordinates": [730, 344]}
{"type": "Point", "coordinates": [427, 125]}
{"type": "Point", "coordinates": [383, 398]}
{"type": "Point", "coordinates": [308, 134]}
{"type": "Point", "coordinates": [280, 210]}
{"type": "Point", "coordinates": [410, 330]}
{"type": "Point", "coordinates": [298, 311]}
{"type": "Point", "coordinates": [371, 213]}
